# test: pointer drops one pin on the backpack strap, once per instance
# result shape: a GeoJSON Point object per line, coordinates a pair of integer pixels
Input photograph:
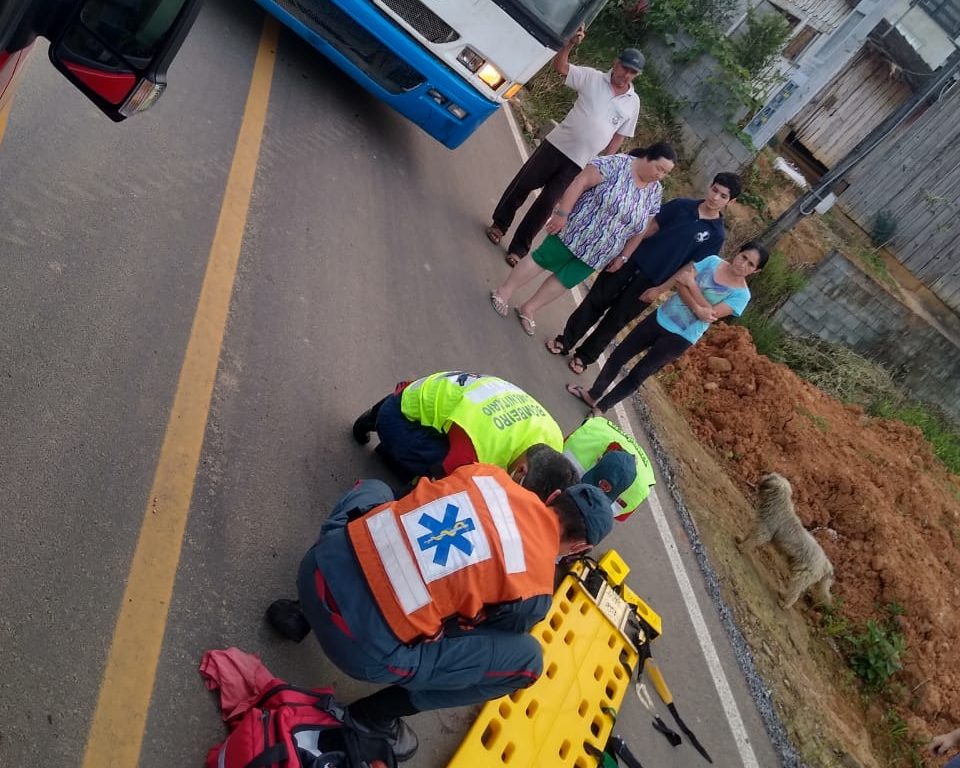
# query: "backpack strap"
{"type": "Point", "coordinates": [360, 749]}
{"type": "Point", "coordinates": [274, 755]}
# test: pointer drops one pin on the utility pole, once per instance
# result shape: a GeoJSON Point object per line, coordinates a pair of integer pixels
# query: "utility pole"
{"type": "Point", "coordinates": [806, 204]}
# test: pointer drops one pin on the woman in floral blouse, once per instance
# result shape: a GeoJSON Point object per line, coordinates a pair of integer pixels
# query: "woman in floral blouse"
{"type": "Point", "coordinates": [596, 225]}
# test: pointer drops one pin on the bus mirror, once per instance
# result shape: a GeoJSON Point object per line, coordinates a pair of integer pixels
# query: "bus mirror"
{"type": "Point", "coordinates": [117, 51]}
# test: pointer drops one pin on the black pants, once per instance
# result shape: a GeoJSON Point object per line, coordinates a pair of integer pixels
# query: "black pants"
{"type": "Point", "coordinates": [662, 347]}
{"type": "Point", "coordinates": [618, 295]}
{"type": "Point", "coordinates": [547, 169]}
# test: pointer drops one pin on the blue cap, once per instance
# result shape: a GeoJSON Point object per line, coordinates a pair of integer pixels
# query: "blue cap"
{"type": "Point", "coordinates": [613, 474]}
{"type": "Point", "coordinates": [595, 508]}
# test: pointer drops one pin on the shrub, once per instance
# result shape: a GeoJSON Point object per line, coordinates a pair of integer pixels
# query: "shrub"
{"type": "Point", "coordinates": [768, 336]}
{"type": "Point", "coordinates": [760, 43]}
{"type": "Point", "coordinates": [777, 282]}
{"type": "Point", "coordinates": [884, 228]}
{"type": "Point", "coordinates": [874, 654]}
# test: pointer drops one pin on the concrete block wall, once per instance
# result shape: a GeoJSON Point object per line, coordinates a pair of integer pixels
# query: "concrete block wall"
{"type": "Point", "coordinates": [843, 304]}
{"type": "Point", "coordinates": [709, 146]}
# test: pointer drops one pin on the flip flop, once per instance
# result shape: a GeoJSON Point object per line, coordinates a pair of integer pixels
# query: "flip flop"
{"type": "Point", "coordinates": [581, 394]}
{"type": "Point", "coordinates": [494, 235]}
{"type": "Point", "coordinates": [527, 323]}
{"type": "Point", "coordinates": [512, 260]}
{"type": "Point", "coordinates": [499, 305]}
{"type": "Point", "coordinates": [576, 365]}
{"type": "Point", "coordinates": [555, 346]}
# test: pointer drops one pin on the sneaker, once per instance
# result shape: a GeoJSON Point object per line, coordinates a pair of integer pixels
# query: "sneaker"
{"type": "Point", "coordinates": [400, 736]}
{"type": "Point", "coordinates": [288, 620]}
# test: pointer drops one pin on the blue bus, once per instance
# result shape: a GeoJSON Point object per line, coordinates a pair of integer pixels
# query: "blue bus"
{"type": "Point", "coordinates": [447, 65]}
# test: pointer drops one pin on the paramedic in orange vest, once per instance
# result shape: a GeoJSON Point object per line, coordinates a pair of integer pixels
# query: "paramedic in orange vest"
{"type": "Point", "coordinates": [434, 594]}
{"type": "Point", "coordinates": [431, 426]}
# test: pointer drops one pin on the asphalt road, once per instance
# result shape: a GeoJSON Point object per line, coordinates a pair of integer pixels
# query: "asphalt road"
{"type": "Point", "coordinates": [363, 262]}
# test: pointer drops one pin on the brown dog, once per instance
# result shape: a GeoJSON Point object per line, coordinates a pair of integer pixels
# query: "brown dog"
{"type": "Point", "coordinates": [778, 522]}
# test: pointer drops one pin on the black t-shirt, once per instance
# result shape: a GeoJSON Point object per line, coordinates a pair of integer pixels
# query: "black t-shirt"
{"type": "Point", "coordinates": [683, 237]}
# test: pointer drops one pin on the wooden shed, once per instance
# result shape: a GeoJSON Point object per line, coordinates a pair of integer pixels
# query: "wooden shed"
{"type": "Point", "coordinates": [915, 175]}
{"type": "Point", "coordinates": [849, 107]}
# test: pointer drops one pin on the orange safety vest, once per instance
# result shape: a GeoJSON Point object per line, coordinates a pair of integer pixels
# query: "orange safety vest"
{"type": "Point", "coordinates": [453, 546]}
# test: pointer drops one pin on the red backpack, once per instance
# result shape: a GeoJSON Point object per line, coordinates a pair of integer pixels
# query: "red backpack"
{"type": "Point", "coordinates": [292, 727]}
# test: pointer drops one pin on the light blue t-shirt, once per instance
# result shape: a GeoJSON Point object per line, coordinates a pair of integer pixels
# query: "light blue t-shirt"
{"type": "Point", "coordinates": [678, 318]}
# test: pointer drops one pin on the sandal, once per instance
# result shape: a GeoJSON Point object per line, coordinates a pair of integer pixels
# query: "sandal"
{"type": "Point", "coordinates": [500, 306]}
{"type": "Point", "coordinates": [494, 234]}
{"type": "Point", "coordinates": [512, 260]}
{"type": "Point", "coordinates": [577, 365]}
{"type": "Point", "coordinates": [581, 394]}
{"type": "Point", "coordinates": [527, 323]}
{"type": "Point", "coordinates": [555, 346]}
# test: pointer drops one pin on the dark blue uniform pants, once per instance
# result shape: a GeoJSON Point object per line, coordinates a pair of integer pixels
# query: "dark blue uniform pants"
{"type": "Point", "coordinates": [477, 666]}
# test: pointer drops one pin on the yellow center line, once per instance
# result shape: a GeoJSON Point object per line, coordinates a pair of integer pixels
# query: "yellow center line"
{"type": "Point", "coordinates": [116, 733]}
{"type": "Point", "coordinates": [4, 116]}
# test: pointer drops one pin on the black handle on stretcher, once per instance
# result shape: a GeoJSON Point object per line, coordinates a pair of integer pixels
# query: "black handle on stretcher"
{"type": "Point", "coordinates": [619, 747]}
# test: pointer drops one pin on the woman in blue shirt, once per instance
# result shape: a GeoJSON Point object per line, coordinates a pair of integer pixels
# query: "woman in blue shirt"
{"type": "Point", "coordinates": [707, 291]}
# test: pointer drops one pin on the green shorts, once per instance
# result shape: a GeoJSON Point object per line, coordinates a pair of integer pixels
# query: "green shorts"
{"type": "Point", "coordinates": [554, 256]}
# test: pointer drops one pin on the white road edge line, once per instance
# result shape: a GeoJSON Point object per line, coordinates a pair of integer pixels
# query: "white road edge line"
{"type": "Point", "coordinates": [720, 682]}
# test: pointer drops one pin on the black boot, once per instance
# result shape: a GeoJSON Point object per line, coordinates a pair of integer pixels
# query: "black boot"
{"type": "Point", "coordinates": [366, 423]}
{"type": "Point", "coordinates": [288, 620]}
{"type": "Point", "coordinates": [380, 715]}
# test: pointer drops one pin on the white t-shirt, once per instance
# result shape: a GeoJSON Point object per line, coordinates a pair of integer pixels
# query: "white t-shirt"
{"type": "Point", "coordinates": [595, 117]}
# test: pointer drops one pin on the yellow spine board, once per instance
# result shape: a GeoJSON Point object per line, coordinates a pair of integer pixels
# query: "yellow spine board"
{"type": "Point", "coordinates": [587, 666]}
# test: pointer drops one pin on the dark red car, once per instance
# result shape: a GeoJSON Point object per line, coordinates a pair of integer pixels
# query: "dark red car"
{"type": "Point", "coordinates": [115, 51]}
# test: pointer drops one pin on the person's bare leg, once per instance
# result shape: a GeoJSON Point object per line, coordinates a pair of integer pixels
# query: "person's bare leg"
{"type": "Point", "coordinates": [549, 290]}
{"type": "Point", "coordinates": [525, 271]}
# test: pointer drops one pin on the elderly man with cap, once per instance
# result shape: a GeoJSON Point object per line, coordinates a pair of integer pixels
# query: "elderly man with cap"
{"type": "Point", "coordinates": [431, 426]}
{"type": "Point", "coordinates": [604, 114]}
{"type": "Point", "coordinates": [612, 460]}
{"type": "Point", "coordinates": [434, 594]}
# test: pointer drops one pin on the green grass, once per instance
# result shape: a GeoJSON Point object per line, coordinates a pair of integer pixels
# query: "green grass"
{"type": "Point", "coordinates": [818, 421]}
{"type": "Point", "coordinates": [943, 436]}
{"type": "Point", "coordinates": [873, 263]}
{"type": "Point", "coordinates": [769, 290]}
{"type": "Point", "coordinates": [775, 283]}
{"type": "Point", "coordinates": [768, 336]}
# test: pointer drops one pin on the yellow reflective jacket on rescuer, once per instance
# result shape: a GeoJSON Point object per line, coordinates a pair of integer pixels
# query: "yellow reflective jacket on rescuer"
{"type": "Point", "coordinates": [595, 437]}
{"type": "Point", "coordinates": [501, 420]}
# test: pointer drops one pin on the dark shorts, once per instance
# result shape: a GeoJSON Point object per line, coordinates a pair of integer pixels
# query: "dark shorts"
{"type": "Point", "coordinates": [554, 256]}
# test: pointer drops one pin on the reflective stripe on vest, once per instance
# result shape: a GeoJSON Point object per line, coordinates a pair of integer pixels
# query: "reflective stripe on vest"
{"type": "Point", "coordinates": [452, 546]}
{"type": "Point", "coordinates": [587, 444]}
{"type": "Point", "coordinates": [501, 420]}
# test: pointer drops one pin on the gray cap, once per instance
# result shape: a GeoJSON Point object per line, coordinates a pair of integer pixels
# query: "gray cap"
{"type": "Point", "coordinates": [595, 508]}
{"type": "Point", "coordinates": [631, 57]}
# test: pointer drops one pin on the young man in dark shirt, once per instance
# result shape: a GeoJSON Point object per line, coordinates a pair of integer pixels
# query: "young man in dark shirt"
{"type": "Point", "coordinates": [685, 230]}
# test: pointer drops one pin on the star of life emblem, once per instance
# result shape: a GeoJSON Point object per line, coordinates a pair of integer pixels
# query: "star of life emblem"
{"type": "Point", "coordinates": [446, 535]}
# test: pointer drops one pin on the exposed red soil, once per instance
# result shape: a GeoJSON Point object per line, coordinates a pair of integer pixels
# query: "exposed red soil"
{"type": "Point", "coordinates": [887, 511]}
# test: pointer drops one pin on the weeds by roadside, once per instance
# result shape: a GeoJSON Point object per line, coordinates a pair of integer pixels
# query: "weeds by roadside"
{"type": "Point", "coordinates": [942, 435]}
{"type": "Point", "coordinates": [874, 652]}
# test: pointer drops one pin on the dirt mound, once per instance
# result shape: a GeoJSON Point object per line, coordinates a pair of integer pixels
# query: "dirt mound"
{"type": "Point", "coordinates": [888, 512]}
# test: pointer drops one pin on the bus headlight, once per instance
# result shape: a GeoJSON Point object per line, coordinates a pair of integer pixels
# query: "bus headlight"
{"type": "Point", "coordinates": [482, 68]}
{"type": "Point", "coordinates": [491, 76]}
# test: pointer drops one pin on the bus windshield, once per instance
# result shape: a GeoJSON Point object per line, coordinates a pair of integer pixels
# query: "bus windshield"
{"type": "Point", "coordinates": [556, 20]}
